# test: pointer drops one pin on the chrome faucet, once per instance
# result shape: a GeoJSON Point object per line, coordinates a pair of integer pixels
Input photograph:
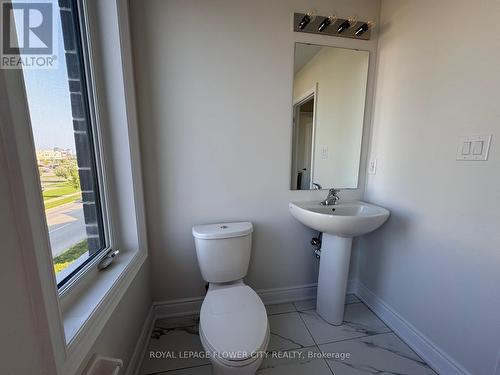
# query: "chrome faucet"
{"type": "Point", "coordinates": [332, 198]}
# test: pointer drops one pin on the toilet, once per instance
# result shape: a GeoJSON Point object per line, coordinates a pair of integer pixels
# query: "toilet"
{"type": "Point", "coordinates": [234, 329]}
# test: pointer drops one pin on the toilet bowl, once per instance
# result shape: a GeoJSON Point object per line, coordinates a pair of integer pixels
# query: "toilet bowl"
{"type": "Point", "coordinates": [234, 329]}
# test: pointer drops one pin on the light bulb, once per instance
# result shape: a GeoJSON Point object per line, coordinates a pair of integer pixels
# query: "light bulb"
{"type": "Point", "coordinates": [327, 22]}
{"type": "Point", "coordinates": [346, 24]}
{"type": "Point", "coordinates": [364, 28]}
{"type": "Point", "coordinates": [308, 17]}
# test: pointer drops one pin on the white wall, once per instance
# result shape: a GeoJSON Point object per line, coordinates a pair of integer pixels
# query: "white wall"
{"type": "Point", "coordinates": [120, 335]}
{"type": "Point", "coordinates": [17, 322]}
{"type": "Point", "coordinates": [341, 75]}
{"type": "Point", "coordinates": [214, 82]}
{"type": "Point", "coordinates": [436, 262]}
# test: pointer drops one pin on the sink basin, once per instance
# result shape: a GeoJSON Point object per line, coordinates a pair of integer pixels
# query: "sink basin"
{"type": "Point", "coordinates": [339, 224]}
{"type": "Point", "coordinates": [345, 219]}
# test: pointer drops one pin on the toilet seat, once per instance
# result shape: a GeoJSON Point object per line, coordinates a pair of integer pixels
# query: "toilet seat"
{"type": "Point", "coordinates": [233, 325]}
{"type": "Point", "coordinates": [239, 362]}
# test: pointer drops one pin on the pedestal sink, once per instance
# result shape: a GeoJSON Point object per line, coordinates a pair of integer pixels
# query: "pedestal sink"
{"type": "Point", "coordinates": [339, 224]}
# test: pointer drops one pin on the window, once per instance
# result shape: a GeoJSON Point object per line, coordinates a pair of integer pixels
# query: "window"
{"type": "Point", "coordinates": [66, 140]}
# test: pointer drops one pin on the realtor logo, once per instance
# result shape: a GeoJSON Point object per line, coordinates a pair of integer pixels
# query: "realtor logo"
{"type": "Point", "coordinates": [28, 37]}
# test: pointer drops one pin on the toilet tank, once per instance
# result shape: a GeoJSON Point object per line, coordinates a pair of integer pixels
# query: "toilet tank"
{"type": "Point", "coordinates": [223, 250]}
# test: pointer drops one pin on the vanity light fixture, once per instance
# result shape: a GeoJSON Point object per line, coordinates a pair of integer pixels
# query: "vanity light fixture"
{"type": "Point", "coordinates": [364, 28]}
{"type": "Point", "coordinates": [346, 24]}
{"type": "Point", "coordinates": [327, 22]}
{"type": "Point", "coordinates": [332, 25]}
{"type": "Point", "coordinates": [308, 17]}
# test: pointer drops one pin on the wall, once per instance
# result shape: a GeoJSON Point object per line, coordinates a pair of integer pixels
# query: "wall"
{"type": "Point", "coordinates": [21, 353]}
{"type": "Point", "coordinates": [214, 82]}
{"type": "Point", "coordinates": [341, 75]}
{"type": "Point", "coordinates": [436, 260]}
{"type": "Point", "coordinates": [120, 335]}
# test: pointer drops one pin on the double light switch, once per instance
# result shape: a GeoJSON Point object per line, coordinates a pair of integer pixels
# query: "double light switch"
{"type": "Point", "coordinates": [474, 147]}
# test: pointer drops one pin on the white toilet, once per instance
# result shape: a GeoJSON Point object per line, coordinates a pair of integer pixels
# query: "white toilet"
{"type": "Point", "coordinates": [233, 322]}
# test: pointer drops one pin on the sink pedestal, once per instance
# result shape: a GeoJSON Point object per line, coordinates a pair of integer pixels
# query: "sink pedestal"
{"type": "Point", "coordinates": [339, 224]}
{"type": "Point", "coordinates": [332, 280]}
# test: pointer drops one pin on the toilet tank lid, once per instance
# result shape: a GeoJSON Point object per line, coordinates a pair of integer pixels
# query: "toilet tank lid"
{"type": "Point", "coordinates": [222, 230]}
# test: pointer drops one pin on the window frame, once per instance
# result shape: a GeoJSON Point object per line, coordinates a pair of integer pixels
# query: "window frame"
{"type": "Point", "coordinates": [90, 102]}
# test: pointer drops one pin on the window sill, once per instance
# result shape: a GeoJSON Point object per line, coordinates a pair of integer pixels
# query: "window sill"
{"type": "Point", "coordinates": [88, 309]}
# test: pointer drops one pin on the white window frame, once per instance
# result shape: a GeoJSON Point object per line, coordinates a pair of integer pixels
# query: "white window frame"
{"type": "Point", "coordinates": [104, 185]}
{"type": "Point", "coordinates": [69, 321]}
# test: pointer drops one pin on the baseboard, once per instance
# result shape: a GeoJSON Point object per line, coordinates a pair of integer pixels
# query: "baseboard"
{"type": "Point", "coordinates": [135, 363]}
{"type": "Point", "coordinates": [287, 294]}
{"type": "Point", "coordinates": [178, 307]}
{"type": "Point", "coordinates": [187, 306]}
{"type": "Point", "coordinates": [423, 346]}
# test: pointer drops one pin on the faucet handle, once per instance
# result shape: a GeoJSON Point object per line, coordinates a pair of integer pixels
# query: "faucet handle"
{"type": "Point", "coordinates": [334, 191]}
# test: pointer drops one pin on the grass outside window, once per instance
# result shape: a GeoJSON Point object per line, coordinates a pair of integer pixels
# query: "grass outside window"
{"type": "Point", "coordinates": [63, 260]}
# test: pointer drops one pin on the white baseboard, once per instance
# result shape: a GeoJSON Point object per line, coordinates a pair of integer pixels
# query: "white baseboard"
{"type": "Point", "coordinates": [178, 307]}
{"type": "Point", "coordinates": [134, 365]}
{"type": "Point", "coordinates": [288, 294]}
{"type": "Point", "coordinates": [425, 348]}
{"type": "Point", "coordinates": [188, 306]}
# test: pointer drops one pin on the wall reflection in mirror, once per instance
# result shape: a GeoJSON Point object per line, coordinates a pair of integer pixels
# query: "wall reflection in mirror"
{"type": "Point", "coordinates": [329, 93]}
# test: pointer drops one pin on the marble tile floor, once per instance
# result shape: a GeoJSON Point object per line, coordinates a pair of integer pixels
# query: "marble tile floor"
{"type": "Point", "coordinates": [301, 343]}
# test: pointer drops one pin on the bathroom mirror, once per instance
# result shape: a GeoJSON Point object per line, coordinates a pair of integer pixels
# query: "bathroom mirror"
{"type": "Point", "coordinates": [329, 92]}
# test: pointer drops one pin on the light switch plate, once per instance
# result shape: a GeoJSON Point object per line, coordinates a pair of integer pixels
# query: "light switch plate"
{"type": "Point", "coordinates": [324, 152]}
{"type": "Point", "coordinates": [473, 148]}
{"type": "Point", "coordinates": [372, 166]}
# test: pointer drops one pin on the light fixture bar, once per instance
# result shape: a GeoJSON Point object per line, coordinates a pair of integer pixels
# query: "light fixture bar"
{"type": "Point", "coordinates": [332, 25]}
